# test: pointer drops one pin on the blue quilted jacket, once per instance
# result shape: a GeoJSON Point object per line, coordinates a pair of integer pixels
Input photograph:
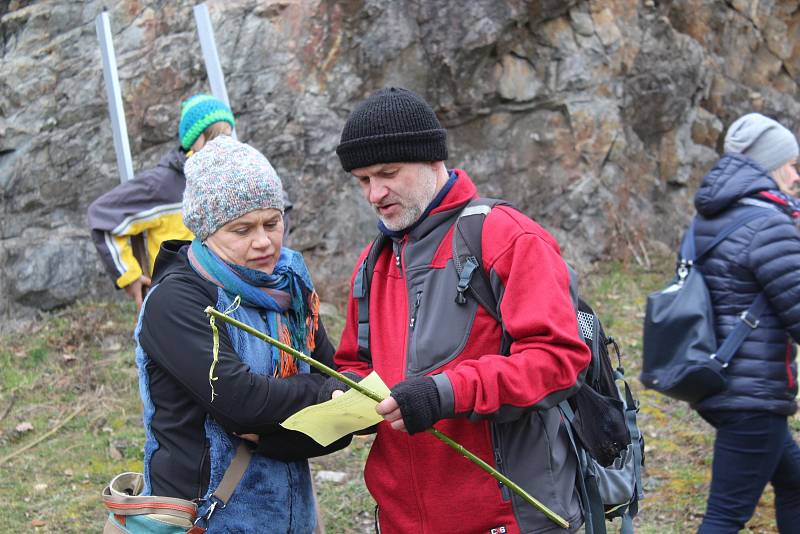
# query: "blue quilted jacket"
{"type": "Point", "coordinates": [763, 255]}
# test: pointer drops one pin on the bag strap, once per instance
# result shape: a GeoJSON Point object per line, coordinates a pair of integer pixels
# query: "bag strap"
{"type": "Point", "coordinates": [631, 409]}
{"type": "Point", "coordinates": [688, 247]}
{"type": "Point", "coordinates": [230, 479]}
{"type": "Point", "coordinates": [468, 254]}
{"type": "Point", "coordinates": [468, 260]}
{"type": "Point", "coordinates": [748, 321]}
{"type": "Point", "coordinates": [233, 474]}
{"type": "Point", "coordinates": [594, 512]}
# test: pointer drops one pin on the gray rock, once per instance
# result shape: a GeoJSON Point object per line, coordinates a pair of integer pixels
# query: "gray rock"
{"type": "Point", "coordinates": [597, 119]}
{"type": "Point", "coordinates": [581, 22]}
{"type": "Point", "coordinates": [517, 79]}
{"type": "Point", "coordinates": [666, 81]}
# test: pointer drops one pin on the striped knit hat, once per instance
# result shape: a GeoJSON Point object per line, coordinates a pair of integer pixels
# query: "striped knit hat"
{"type": "Point", "coordinates": [226, 180]}
{"type": "Point", "coordinates": [198, 113]}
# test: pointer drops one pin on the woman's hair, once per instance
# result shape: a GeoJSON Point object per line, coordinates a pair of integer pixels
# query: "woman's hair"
{"type": "Point", "coordinates": [217, 129]}
{"type": "Point", "coordinates": [780, 174]}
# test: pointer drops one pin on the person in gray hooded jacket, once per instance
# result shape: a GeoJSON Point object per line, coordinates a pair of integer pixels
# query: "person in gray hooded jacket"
{"type": "Point", "coordinates": [753, 444]}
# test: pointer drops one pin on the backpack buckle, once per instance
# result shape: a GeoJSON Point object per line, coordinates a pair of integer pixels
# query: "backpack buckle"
{"type": "Point", "coordinates": [206, 516]}
{"type": "Point", "coordinates": [714, 357]}
{"type": "Point", "coordinates": [683, 270]}
{"type": "Point", "coordinates": [464, 279]}
{"type": "Point", "coordinates": [749, 320]}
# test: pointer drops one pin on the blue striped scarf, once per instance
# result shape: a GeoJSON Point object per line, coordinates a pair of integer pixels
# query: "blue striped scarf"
{"type": "Point", "coordinates": [288, 292]}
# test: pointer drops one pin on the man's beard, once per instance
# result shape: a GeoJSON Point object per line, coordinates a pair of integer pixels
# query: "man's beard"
{"type": "Point", "coordinates": [414, 206]}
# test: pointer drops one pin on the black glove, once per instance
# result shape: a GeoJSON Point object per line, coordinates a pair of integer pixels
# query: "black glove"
{"type": "Point", "coordinates": [419, 403]}
{"type": "Point", "coordinates": [332, 384]}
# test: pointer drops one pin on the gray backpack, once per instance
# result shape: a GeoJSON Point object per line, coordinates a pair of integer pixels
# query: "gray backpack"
{"type": "Point", "coordinates": [681, 357]}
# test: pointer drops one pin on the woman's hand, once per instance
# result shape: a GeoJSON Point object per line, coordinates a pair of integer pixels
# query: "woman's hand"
{"type": "Point", "coordinates": [253, 438]}
{"type": "Point", "coordinates": [390, 411]}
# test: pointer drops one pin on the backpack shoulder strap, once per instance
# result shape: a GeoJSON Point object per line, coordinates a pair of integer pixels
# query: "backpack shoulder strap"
{"type": "Point", "coordinates": [748, 321]}
{"type": "Point", "coordinates": [361, 286]}
{"type": "Point", "coordinates": [468, 260]}
{"type": "Point", "coordinates": [594, 516]}
{"type": "Point", "coordinates": [468, 254]}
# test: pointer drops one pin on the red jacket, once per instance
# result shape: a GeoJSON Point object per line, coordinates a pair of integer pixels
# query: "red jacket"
{"type": "Point", "coordinates": [496, 405]}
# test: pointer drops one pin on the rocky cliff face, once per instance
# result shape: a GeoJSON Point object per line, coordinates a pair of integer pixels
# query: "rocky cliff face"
{"type": "Point", "coordinates": [597, 118]}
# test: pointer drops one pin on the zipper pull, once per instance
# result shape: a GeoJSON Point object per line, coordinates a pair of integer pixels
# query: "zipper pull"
{"type": "Point", "coordinates": [397, 248]}
{"type": "Point", "coordinates": [416, 309]}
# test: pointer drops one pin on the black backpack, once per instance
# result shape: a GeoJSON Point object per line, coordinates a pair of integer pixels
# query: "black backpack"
{"type": "Point", "coordinates": [682, 357]}
{"type": "Point", "coordinates": [601, 421]}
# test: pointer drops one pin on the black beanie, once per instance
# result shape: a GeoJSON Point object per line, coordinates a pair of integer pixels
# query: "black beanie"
{"type": "Point", "coordinates": [392, 125]}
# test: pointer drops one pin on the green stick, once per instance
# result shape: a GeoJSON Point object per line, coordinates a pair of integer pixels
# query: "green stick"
{"type": "Point", "coordinates": [500, 477]}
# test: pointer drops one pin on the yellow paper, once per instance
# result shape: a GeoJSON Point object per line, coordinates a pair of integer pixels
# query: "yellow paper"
{"type": "Point", "coordinates": [329, 421]}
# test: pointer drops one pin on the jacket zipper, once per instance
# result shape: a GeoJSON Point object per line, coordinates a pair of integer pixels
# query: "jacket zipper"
{"type": "Point", "coordinates": [397, 249]}
{"type": "Point", "coordinates": [204, 479]}
{"type": "Point", "coordinates": [498, 460]}
{"type": "Point", "coordinates": [413, 320]}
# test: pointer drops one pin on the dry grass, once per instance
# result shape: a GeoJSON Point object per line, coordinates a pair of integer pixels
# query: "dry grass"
{"type": "Point", "coordinates": [82, 357]}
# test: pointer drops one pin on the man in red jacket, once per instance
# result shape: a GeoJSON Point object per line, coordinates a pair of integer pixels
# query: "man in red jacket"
{"type": "Point", "coordinates": [441, 358]}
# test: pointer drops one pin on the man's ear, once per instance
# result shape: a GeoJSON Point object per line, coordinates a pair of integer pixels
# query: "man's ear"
{"type": "Point", "coordinates": [440, 170]}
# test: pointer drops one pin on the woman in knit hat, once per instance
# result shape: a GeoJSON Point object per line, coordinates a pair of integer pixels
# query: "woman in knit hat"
{"type": "Point", "coordinates": [202, 386]}
{"type": "Point", "coordinates": [753, 444]}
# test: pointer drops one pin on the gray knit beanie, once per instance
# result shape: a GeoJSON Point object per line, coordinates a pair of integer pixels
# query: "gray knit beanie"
{"type": "Point", "coordinates": [761, 139]}
{"type": "Point", "coordinates": [225, 180]}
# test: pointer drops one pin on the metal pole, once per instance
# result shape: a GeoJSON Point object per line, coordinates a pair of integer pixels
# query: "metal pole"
{"type": "Point", "coordinates": [118, 125]}
{"type": "Point", "coordinates": [209, 47]}
{"type": "Point", "coordinates": [114, 96]}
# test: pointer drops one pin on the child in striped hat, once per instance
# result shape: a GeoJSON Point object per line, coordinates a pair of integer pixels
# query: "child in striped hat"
{"type": "Point", "coordinates": [148, 207]}
{"type": "Point", "coordinates": [203, 117]}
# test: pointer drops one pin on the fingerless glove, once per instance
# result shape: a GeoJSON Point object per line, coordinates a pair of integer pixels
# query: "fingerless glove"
{"type": "Point", "coordinates": [419, 403]}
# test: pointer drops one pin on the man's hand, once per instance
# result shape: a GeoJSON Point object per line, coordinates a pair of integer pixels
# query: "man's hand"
{"type": "Point", "coordinates": [137, 289]}
{"type": "Point", "coordinates": [414, 405]}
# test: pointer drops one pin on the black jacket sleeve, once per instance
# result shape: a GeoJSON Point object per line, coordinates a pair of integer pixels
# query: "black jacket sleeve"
{"type": "Point", "coordinates": [177, 337]}
{"type": "Point", "coordinates": [290, 445]}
